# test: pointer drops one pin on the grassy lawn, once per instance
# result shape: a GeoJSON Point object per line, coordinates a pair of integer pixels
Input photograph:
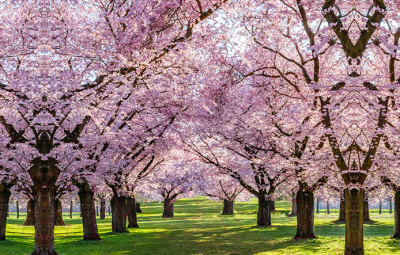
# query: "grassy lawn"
{"type": "Point", "coordinates": [198, 228]}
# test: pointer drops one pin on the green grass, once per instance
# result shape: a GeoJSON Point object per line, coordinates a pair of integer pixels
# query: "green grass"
{"type": "Point", "coordinates": [198, 228]}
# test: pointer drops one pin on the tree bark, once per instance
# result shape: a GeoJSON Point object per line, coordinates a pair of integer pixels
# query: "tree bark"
{"type": "Point", "coordinates": [366, 211]}
{"type": "Point", "coordinates": [70, 209]}
{"type": "Point", "coordinates": [390, 206]}
{"type": "Point", "coordinates": [380, 208]}
{"type": "Point", "coordinates": [138, 210]}
{"type": "Point", "coordinates": [317, 205]}
{"type": "Point", "coordinates": [118, 206]}
{"type": "Point", "coordinates": [132, 217]}
{"type": "Point", "coordinates": [58, 220]}
{"type": "Point", "coordinates": [264, 212]}
{"type": "Point", "coordinates": [294, 208]}
{"type": "Point", "coordinates": [354, 202]}
{"type": "Point", "coordinates": [228, 207]}
{"type": "Point", "coordinates": [4, 200]}
{"type": "Point", "coordinates": [86, 197]}
{"type": "Point", "coordinates": [342, 212]}
{"type": "Point", "coordinates": [327, 208]}
{"type": "Point", "coordinates": [17, 209]}
{"type": "Point", "coordinates": [109, 209]}
{"type": "Point", "coordinates": [168, 209]}
{"type": "Point", "coordinates": [102, 209]}
{"type": "Point", "coordinates": [396, 234]}
{"type": "Point", "coordinates": [44, 222]}
{"type": "Point", "coordinates": [305, 212]}
{"type": "Point", "coordinates": [273, 205]}
{"type": "Point", "coordinates": [30, 213]}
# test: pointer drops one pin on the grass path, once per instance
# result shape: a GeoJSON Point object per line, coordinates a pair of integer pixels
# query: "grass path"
{"type": "Point", "coordinates": [198, 228]}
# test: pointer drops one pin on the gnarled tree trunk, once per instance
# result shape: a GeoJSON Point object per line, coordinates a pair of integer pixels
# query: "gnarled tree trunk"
{"type": "Point", "coordinates": [30, 213]}
{"type": "Point", "coordinates": [4, 200]}
{"type": "Point", "coordinates": [396, 234]}
{"type": "Point", "coordinates": [44, 222]}
{"type": "Point", "coordinates": [118, 206]}
{"type": "Point", "coordinates": [264, 212]}
{"type": "Point", "coordinates": [354, 202]}
{"type": "Point", "coordinates": [58, 220]}
{"type": "Point", "coordinates": [102, 209]}
{"type": "Point", "coordinates": [168, 209]}
{"type": "Point", "coordinates": [86, 197]}
{"type": "Point", "coordinates": [138, 210]}
{"type": "Point", "coordinates": [305, 212]}
{"type": "Point", "coordinates": [294, 208]}
{"type": "Point", "coordinates": [228, 207]}
{"type": "Point", "coordinates": [132, 217]}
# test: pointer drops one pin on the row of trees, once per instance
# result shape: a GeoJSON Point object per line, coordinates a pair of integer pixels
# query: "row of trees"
{"type": "Point", "coordinates": [130, 96]}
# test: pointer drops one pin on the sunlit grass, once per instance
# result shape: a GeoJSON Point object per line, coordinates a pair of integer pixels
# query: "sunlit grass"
{"type": "Point", "coordinates": [198, 228]}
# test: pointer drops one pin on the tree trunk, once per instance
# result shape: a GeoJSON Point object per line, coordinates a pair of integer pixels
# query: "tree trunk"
{"type": "Point", "coordinates": [86, 197]}
{"type": "Point", "coordinates": [305, 212]}
{"type": "Point", "coordinates": [132, 217]}
{"type": "Point", "coordinates": [4, 200]}
{"type": "Point", "coordinates": [118, 205]}
{"type": "Point", "coordinates": [70, 209]}
{"type": "Point", "coordinates": [354, 202]}
{"type": "Point", "coordinates": [97, 210]}
{"type": "Point", "coordinates": [272, 205]}
{"type": "Point", "coordinates": [44, 222]}
{"type": "Point", "coordinates": [102, 209]}
{"type": "Point", "coordinates": [58, 220]}
{"type": "Point", "coordinates": [228, 207]}
{"type": "Point", "coordinates": [168, 209]}
{"type": "Point", "coordinates": [317, 205]}
{"type": "Point", "coordinates": [396, 234]}
{"type": "Point", "coordinates": [390, 206]}
{"type": "Point", "coordinates": [342, 212]}
{"type": "Point", "coordinates": [264, 212]}
{"type": "Point", "coordinates": [366, 211]}
{"type": "Point", "coordinates": [17, 209]}
{"type": "Point", "coordinates": [138, 210]}
{"type": "Point", "coordinates": [109, 209]}
{"type": "Point", "coordinates": [380, 208]}
{"type": "Point", "coordinates": [294, 208]}
{"type": "Point", "coordinates": [30, 213]}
